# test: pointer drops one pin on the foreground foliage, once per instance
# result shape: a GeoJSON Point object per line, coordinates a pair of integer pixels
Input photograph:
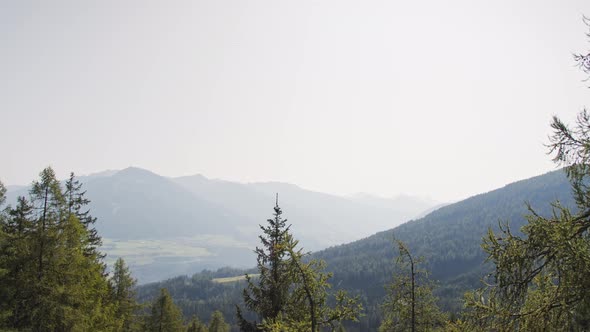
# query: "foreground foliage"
{"type": "Point", "coordinates": [409, 304]}
{"type": "Point", "coordinates": [53, 277]}
{"type": "Point", "coordinates": [290, 294]}
{"type": "Point", "coordinates": [542, 275]}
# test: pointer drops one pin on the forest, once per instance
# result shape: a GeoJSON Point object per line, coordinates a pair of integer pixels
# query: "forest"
{"type": "Point", "coordinates": [523, 265]}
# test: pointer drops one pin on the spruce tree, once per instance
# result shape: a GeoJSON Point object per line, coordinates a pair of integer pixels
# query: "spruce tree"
{"type": "Point", "coordinates": [123, 285]}
{"type": "Point", "coordinates": [76, 204]}
{"type": "Point", "coordinates": [217, 323]}
{"type": "Point", "coordinates": [291, 294]}
{"type": "Point", "coordinates": [165, 315]}
{"type": "Point", "coordinates": [269, 296]}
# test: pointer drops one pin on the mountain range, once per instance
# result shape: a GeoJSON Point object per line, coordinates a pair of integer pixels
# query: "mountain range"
{"type": "Point", "coordinates": [167, 226]}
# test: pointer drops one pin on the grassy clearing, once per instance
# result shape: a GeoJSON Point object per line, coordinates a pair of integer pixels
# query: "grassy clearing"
{"type": "Point", "coordinates": [232, 279]}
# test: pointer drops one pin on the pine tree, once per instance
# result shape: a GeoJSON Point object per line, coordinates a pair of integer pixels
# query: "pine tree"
{"type": "Point", "coordinates": [165, 315]}
{"type": "Point", "coordinates": [123, 285]}
{"type": "Point", "coordinates": [217, 323]}
{"type": "Point", "coordinates": [195, 325]}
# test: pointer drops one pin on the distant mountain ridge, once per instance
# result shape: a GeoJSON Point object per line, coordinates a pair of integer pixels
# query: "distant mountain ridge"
{"type": "Point", "coordinates": [168, 226]}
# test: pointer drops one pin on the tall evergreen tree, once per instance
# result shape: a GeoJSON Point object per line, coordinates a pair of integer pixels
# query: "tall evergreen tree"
{"type": "Point", "coordinates": [165, 315]}
{"type": "Point", "coordinates": [291, 295]}
{"type": "Point", "coordinates": [80, 289]}
{"type": "Point", "coordinates": [76, 204]}
{"type": "Point", "coordinates": [217, 323]}
{"type": "Point", "coordinates": [123, 285]}
{"type": "Point", "coordinates": [269, 297]}
{"type": "Point", "coordinates": [49, 211]}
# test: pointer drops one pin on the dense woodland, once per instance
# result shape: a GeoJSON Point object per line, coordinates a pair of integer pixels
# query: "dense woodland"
{"type": "Point", "coordinates": [477, 265]}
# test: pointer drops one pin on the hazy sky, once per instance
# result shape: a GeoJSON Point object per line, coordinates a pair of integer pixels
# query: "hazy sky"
{"type": "Point", "coordinates": [444, 99]}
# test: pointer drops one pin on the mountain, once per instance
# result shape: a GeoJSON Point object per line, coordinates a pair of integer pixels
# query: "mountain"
{"type": "Point", "coordinates": [13, 188]}
{"type": "Point", "coordinates": [138, 204]}
{"type": "Point", "coordinates": [321, 220]}
{"type": "Point", "coordinates": [169, 226]}
{"type": "Point", "coordinates": [401, 203]}
{"type": "Point", "coordinates": [448, 238]}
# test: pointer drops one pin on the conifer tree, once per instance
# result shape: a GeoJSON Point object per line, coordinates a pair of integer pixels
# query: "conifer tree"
{"type": "Point", "coordinates": [123, 285]}
{"type": "Point", "coordinates": [217, 323]}
{"type": "Point", "coordinates": [50, 283]}
{"type": "Point", "coordinates": [79, 288]}
{"type": "Point", "coordinates": [17, 256]}
{"type": "Point", "coordinates": [76, 204]}
{"type": "Point", "coordinates": [49, 210]}
{"type": "Point", "coordinates": [311, 307]}
{"type": "Point", "coordinates": [291, 295]}
{"type": "Point", "coordinates": [165, 315]}
{"type": "Point", "coordinates": [195, 325]}
{"type": "Point", "coordinates": [269, 297]}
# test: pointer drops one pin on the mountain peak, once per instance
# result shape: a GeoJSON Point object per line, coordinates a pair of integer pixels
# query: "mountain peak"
{"type": "Point", "coordinates": [136, 174]}
{"type": "Point", "coordinates": [132, 170]}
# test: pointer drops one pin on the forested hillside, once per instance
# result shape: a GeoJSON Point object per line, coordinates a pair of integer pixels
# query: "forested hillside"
{"type": "Point", "coordinates": [449, 239]}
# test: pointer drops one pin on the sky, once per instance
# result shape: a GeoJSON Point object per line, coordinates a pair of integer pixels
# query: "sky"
{"type": "Point", "coordinates": [441, 99]}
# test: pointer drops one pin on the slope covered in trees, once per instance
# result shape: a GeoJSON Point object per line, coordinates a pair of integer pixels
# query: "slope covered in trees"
{"type": "Point", "coordinates": [449, 239]}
